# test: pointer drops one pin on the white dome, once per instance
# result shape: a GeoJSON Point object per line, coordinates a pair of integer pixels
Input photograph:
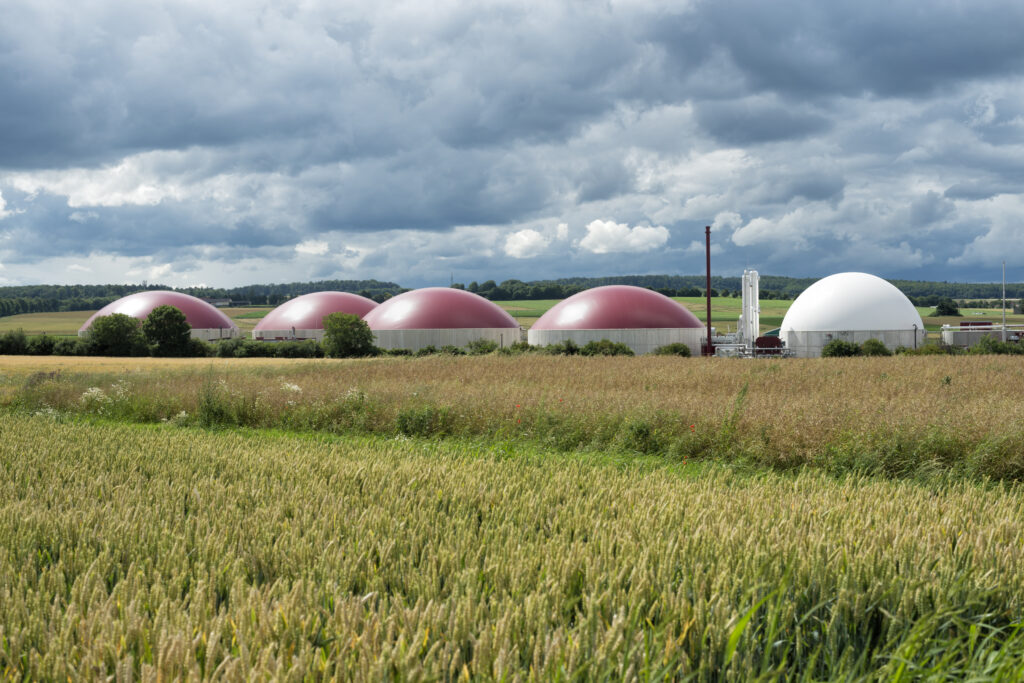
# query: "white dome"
{"type": "Point", "coordinates": [851, 301]}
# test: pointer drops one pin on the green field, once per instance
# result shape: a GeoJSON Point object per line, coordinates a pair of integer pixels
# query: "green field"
{"type": "Point", "coordinates": [724, 313]}
{"type": "Point", "coordinates": [523, 518]}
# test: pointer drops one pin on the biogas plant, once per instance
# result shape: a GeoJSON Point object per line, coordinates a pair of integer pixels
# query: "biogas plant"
{"type": "Point", "coordinates": [851, 307]}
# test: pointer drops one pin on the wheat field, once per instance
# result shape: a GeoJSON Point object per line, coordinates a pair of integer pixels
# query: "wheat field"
{"type": "Point", "coordinates": [159, 552]}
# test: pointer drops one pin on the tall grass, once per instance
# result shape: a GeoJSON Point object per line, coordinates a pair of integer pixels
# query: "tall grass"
{"type": "Point", "coordinates": [159, 552]}
{"type": "Point", "coordinates": [890, 416]}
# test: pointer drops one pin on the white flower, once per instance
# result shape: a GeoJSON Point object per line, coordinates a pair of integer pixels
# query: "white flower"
{"type": "Point", "coordinates": [93, 395]}
{"type": "Point", "coordinates": [294, 388]}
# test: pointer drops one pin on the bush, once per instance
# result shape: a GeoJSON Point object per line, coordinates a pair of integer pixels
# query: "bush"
{"type": "Point", "coordinates": [675, 349]}
{"type": "Point", "coordinates": [197, 348]}
{"type": "Point", "coordinates": [837, 348]}
{"type": "Point", "coordinates": [228, 348]}
{"type": "Point", "coordinates": [116, 335]}
{"type": "Point", "coordinates": [13, 343]}
{"type": "Point", "coordinates": [41, 345]}
{"type": "Point", "coordinates": [396, 352]}
{"type": "Point", "coordinates": [606, 347]}
{"type": "Point", "coordinates": [480, 347]}
{"type": "Point", "coordinates": [428, 350]}
{"type": "Point", "coordinates": [519, 347]}
{"type": "Point", "coordinates": [71, 346]}
{"type": "Point", "coordinates": [566, 348]}
{"type": "Point", "coordinates": [450, 350]}
{"type": "Point", "coordinates": [929, 350]}
{"type": "Point", "coordinates": [297, 349]}
{"type": "Point", "coordinates": [347, 336]}
{"type": "Point", "coordinates": [991, 345]}
{"type": "Point", "coordinates": [874, 347]}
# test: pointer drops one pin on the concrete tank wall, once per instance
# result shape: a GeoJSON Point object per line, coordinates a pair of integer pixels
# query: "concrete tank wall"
{"type": "Point", "coordinates": [204, 333]}
{"type": "Point", "coordinates": [215, 333]}
{"type": "Point", "coordinates": [287, 335]}
{"type": "Point", "coordinates": [418, 339]}
{"type": "Point", "coordinates": [641, 340]}
{"type": "Point", "coordinates": [810, 344]}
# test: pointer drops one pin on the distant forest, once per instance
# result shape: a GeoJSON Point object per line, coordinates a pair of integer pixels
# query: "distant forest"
{"type": "Point", "coordinates": [50, 298]}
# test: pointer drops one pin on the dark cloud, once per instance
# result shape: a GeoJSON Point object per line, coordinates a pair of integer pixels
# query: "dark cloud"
{"type": "Point", "coordinates": [224, 134]}
{"type": "Point", "coordinates": [747, 122]}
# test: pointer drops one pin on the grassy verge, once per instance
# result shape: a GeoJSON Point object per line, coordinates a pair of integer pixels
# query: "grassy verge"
{"type": "Point", "coordinates": [900, 417]}
{"type": "Point", "coordinates": [153, 551]}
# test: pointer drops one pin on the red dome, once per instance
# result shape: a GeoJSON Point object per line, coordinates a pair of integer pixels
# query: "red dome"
{"type": "Point", "coordinates": [438, 308]}
{"type": "Point", "coordinates": [616, 307]}
{"type": "Point", "coordinates": [199, 314]}
{"type": "Point", "coordinates": [307, 312]}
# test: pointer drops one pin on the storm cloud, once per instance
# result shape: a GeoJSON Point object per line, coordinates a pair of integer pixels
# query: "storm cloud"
{"type": "Point", "coordinates": [229, 143]}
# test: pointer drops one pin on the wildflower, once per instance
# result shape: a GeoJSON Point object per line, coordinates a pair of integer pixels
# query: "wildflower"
{"type": "Point", "coordinates": [294, 388]}
{"type": "Point", "coordinates": [93, 395]}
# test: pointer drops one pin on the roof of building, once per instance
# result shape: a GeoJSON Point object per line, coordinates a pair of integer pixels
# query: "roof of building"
{"type": "Point", "coordinates": [851, 302]}
{"type": "Point", "coordinates": [617, 307]}
{"type": "Point", "coordinates": [438, 308]}
{"type": "Point", "coordinates": [198, 313]}
{"type": "Point", "coordinates": [307, 312]}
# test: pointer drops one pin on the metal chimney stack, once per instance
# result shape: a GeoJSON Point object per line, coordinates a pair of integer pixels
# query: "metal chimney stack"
{"type": "Point", "coordinates": [750, 320]}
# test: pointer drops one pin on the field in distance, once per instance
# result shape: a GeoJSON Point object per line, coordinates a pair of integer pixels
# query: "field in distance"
{"type": "Point", "coordinates": [724, 313]}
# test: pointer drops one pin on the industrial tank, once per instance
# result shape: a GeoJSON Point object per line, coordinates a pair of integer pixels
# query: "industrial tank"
{"type": "Point", "coordinates": [641, 319]}
{"type": "Point", "coordinates": [303, 316]}
{"type": "Point", "coordinates": [440, 316]}
{"type": "Point", "coordinates": [853, 307]}
{"type": "Point", "coordinates": [206, 321]}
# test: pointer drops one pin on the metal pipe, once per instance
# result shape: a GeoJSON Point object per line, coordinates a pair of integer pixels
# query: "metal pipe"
{"type": "Point", "coordinates": [707, 240]}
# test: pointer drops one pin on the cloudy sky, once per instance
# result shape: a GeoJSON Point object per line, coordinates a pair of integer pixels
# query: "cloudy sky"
{"type": "Point", "coordinates": [234, 142]}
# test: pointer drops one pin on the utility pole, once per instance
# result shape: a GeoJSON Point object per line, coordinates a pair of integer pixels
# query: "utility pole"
{"type": "Point", "coordinates": [1004, 302]}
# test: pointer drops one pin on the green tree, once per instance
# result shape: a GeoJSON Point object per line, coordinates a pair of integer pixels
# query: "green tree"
{"type": "Point", "coordinates": [167, 332]}
{"type": "Point", "coordinates": [116, 335]}
{"type": "Point", "coordinates": [347, 336]}
{"type": "Point", "coordinates": [946, 307]}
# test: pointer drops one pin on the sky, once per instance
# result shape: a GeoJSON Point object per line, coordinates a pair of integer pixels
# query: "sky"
{"type": "Point", "coordinates": [237, 142]}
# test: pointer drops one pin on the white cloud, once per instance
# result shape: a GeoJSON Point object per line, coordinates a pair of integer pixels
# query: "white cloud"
{"type": "Point", "coordinates": [562, 232]}
{"type": "Point", "coordinates": [526, 243]}
{"type": "Point", "coordinates": [157, 272]}
{"type": "Point", "coordinates": [4, 213]}
{"type": "Point", "coordinates": [608, 237]}
{"type": "Point", "coordinates": [77, 267]}
{"type": "Point", "coordinates": [132, 182]}
{"type": "Point", "coordinates": [83, 216]}
{"type": "Point", "coordinates": [312, 247]}
{"type": "Point", "coordinates": [728, 220]}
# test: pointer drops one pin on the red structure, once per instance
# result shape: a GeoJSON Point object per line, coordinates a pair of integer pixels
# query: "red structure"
{"type": "Point", "coordinates": [199, 314]}
{"type": "Point", "coordinates": [307, 312]}
{"type": "Point", "coordinates": [707, 251]}
{"type": "Point", "coordinates": [616, 307]}
{"type": "Point", "coordinates": [438, 308]}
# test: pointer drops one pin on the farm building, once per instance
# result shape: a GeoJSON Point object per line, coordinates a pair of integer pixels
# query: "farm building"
{"type": "Point", "coordinates": [440, 316]}
{"type": "Point", "coordinates": [303, 316]}
{"type": "Point", "coordinates": [853, 307]}
{"type": "Point", "coordinates": [639, 318]}
{"type": "Point", "coordinates": [207, 322]}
